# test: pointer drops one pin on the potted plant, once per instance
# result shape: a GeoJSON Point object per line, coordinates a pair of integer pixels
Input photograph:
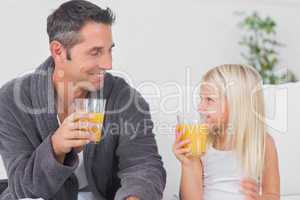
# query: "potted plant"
{"type": "Point", "coordinates": [261, 48]}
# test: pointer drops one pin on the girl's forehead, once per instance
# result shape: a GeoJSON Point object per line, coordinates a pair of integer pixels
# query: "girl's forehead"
{"type": "Point", "coordinates": [209, 89]}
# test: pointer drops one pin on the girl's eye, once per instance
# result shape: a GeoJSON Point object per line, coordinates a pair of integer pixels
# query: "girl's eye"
{"type": "Point", "coordinates": [210, 99]}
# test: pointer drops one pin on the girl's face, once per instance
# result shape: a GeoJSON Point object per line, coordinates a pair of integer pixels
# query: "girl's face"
{"type": "Point", "coordinates": [213, 106]}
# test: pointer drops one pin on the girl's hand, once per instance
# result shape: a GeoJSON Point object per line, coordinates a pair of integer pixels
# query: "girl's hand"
{"type": "Point", "coordinates": [182, 151]}
{"type": "Point", "coordinates": [251, 189]}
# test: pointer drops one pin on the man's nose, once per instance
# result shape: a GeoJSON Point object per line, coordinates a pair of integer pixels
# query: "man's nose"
{"type": "Point", "coordinates": [106, 62]}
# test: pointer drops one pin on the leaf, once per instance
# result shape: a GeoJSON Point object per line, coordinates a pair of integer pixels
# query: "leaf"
{"type": "Point", "coordinates": [261, 46]}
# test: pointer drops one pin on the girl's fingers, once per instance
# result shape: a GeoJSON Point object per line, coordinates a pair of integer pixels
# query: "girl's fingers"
{"type": "Point", "coordinates": [250, 189]}
{"type": "Point", "coordinates": [189, 154]}
{"type": "Point", "coordinates": [182, 157]}
{"type": "Point", "coordinates": [179, 133]}
{"type": "Point", "coordinates": [249, 180]}
{"type": "Point", "coordinates": [250, 185]}
{"type": "Point", "coordinates": [183, 151]}
{"type": "Point", "coordinates": [181, 144]}
{"type": "Point", "coordinates": [250, 195]}
{"type": "Point", "coordinates": [178, 136]}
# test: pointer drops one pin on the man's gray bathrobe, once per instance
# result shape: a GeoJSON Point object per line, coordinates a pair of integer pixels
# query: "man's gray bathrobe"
{"type": "Point", "coordinates": [126, 162]}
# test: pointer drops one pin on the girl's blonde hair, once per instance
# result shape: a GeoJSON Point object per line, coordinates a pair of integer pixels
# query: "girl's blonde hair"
{"type": "Point", "coordinates": [242, 87]}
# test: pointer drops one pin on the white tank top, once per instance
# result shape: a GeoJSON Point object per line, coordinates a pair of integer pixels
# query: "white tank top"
{"type": "Point", "coordinates": [221, 175]}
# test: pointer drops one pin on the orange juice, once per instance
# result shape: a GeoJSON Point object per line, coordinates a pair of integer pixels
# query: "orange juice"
{"type": "Point", "coordinates": [197, 134]}
{"type": "Point", "coordinates": [98, 119]}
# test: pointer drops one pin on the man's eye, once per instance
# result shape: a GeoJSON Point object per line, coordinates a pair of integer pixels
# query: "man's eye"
{"type": "Point", "coordinates": [95, 53]}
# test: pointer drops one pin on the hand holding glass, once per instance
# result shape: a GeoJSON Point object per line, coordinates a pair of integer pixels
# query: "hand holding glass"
{"type": "Point", "coordinates": [95, 107]}
{"type": "Point", "coordinates": [196, 133]}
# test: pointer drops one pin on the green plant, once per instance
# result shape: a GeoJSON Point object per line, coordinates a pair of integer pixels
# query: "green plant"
{"type": "Point", "coordinates": [261, 45]}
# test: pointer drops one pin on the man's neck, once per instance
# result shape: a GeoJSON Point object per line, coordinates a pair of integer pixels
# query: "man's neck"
{"type": "Point", "coordinates": [66, 93]}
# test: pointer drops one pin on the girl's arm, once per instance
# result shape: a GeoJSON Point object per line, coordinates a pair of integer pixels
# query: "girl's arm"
{"type": "Point", "coordinates": [271, 177]}
{"type": "Point", "coordinates": [191, 171]}
{"type": "Point", "coordinates": [191, 181]}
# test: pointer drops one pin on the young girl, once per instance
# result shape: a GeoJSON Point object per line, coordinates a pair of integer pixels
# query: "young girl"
{"type": "Point", "coordinates": [241, 159]}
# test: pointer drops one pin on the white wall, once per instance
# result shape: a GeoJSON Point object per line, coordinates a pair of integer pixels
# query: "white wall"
{"type": "Point", "coordinates": [156, 41]}
{"type": "Point", "coordinates": [151, 36]}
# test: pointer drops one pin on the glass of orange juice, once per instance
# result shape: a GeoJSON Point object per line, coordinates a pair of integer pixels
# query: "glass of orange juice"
{"type": "Point", "coordinates": [95, 107]}
{"type": "Point", "coordinates": [197, 133]}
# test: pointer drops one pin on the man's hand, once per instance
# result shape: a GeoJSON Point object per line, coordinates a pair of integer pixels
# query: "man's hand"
{"type": "Point", "coordinates": [69, 135]}
{"type": "Point", "coordinates": [132, 198]}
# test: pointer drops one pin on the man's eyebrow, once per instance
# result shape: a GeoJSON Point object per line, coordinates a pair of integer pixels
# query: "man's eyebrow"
{"type": "Point", "coordinates": [98, 48]}
{"type": "Point", "coordinates": [95, 49]}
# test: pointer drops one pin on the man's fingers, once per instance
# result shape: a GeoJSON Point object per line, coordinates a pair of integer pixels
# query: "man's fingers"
{"type": "Point", "coordinates": [78, 149]}
{"type": "Point", "coordinates": [71, 118]}
{"type": "Point", "coordinates": [77, 143]}
{"type": "Point", "coordinates": [80, 135]}
{"type": "Point", "coordinates": [76, 116]}
{"type": "Point", "coordinates": [80, 125]}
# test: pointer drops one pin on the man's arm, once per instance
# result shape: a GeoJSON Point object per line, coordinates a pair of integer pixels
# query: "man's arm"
{"type": "Point", "coordinates": [140, 166]}
{"type": "Point", "coordinates": [32, 171]}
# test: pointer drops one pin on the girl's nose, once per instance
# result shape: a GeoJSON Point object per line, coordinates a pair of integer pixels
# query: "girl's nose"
{"type": "Point", "coordinates": [201, 107]}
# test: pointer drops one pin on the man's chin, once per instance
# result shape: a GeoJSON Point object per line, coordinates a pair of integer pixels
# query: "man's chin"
{"type": "Point", "coordinates": [91, 87]}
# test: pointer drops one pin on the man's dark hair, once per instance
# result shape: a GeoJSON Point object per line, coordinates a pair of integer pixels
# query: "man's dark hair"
{"type": "Point", "coordinates": [64, 24]}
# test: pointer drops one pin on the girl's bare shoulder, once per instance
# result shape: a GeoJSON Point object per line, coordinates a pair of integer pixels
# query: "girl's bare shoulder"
{"type": "Point", "coordinates": [271, 150]}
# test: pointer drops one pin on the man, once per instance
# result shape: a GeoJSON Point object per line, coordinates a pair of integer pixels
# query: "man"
{"type": "Point", "coordinates": [45, 153]}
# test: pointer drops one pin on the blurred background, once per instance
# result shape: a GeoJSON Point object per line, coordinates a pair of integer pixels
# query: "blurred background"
{"type": "Point", "coordinates": [164, 47]}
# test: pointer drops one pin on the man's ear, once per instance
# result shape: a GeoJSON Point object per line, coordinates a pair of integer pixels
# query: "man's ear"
{"type": "Point", "coordinates": [58, 52]}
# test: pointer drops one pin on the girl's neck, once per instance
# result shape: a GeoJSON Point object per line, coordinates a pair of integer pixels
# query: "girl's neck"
{"type": "Point", "coordinates": [224, 142]}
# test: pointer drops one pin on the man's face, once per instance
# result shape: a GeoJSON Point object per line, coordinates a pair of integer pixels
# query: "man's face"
{"type": "Point", "coordinates": [90, 58]}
